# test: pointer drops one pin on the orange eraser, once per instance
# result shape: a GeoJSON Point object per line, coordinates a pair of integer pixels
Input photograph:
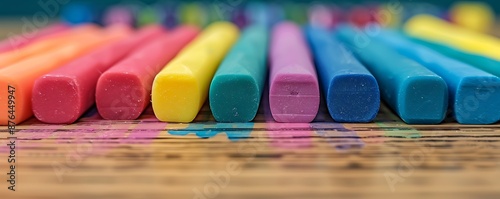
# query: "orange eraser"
{"type": "Point", "coordinates": [51, 42]}
{"type": "Point", "coordinates": [21, 75]}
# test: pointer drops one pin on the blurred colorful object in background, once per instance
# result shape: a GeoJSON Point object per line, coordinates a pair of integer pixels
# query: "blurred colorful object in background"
{"type": "Point", "coordinates": [390, 14]}
{"type": "Point", "coordinates": [478, 16]}
{"type": "Point", "coordinates": [264, 14]}
{"type": "Point", "coordinates": [296, 12]}
{"type": "Point", "coordinates": [78, 13]}
{"type": "Point", "coordinates": [149, 15]}
{"type": "Point", "coordinates": [194, 14]}
{"type": "Point", "coordinates": [361, 16]}
{"type": "Point", "coordinates": [119, 14]}
{"type": "Point", "coordinates": [473, 15]}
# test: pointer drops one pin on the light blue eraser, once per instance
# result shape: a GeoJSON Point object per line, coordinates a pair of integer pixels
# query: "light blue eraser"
{"type": "Point", "coordinates": [415, 93]}
{"type": "Point", "coordinates": [474, 94]}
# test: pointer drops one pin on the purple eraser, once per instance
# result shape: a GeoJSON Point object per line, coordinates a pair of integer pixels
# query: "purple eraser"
{"type": "Point", "coordinates": [294, 91]}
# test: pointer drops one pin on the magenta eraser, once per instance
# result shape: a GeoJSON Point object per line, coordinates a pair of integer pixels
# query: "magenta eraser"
{"type": "Point", "coordinates": [294, 90]}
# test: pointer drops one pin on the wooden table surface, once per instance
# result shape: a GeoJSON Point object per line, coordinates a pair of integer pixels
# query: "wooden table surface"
{"type": "Point", "coordinates": [145, 158]}
{"type": "Point", "coordinates": [95, 158]}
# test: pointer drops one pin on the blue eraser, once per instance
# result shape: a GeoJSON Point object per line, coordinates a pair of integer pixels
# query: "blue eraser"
{"type": "Point", "coordinates": [415, 93]}
{"type": "Point", "coordinates": [79, 13]}
{"type": "Point", "coordinates": [351, 91]}
{"type": "Point", "coordinates": [474, 94]}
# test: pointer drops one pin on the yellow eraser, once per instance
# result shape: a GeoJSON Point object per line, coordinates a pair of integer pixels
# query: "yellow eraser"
{"type": "Point", "coordinates": [433, 29]}
{"type": "Point", "coordinates": [477, 16]}
{"type": "Point", "coordinates": [181, 88]}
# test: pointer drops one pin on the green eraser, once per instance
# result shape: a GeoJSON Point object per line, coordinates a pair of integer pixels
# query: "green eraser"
{"type": "Point", "coordinates": [237, 86]}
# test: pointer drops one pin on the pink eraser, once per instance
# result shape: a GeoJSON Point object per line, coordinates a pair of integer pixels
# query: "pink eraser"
{"type": "Point", "coordinates": [124, 91]}
{"type": "Point", "coordinates": [22, 40]}
{"type": "Point", "coordinates": [63, 95]}
{"type": "Point", "coordinates": [294, 91]}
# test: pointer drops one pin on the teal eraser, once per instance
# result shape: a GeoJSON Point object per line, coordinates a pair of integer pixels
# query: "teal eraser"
{"type": "Point", "coordinates": [415, 93]}
{"type": "Point", "coordinates": [236, 89]}
{"type": "Point", "coordinates": [351, 91]}
{"type": "Point", "coordinates": [474, 94]}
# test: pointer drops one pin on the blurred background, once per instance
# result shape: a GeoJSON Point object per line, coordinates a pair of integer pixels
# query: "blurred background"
{"type": "Point", "coordinates": [29, 7]}
{"type": "Point", "coordinates": [14, 16]}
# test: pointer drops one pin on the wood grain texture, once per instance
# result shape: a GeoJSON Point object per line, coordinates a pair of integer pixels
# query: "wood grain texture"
{"type": "Point", "coordinates": [95, 158]}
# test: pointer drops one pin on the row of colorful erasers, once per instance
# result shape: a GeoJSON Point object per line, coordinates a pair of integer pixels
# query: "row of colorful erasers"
{"type": "Point", "coordinates": [474, 15]}
{"type": "Point", "coordinates": [61, 72]}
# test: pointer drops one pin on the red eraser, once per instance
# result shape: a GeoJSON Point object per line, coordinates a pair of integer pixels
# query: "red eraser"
{"type": "Point", "coordinates": [124, 91]}
{"type": "Point", "coordinates": [63, 95]}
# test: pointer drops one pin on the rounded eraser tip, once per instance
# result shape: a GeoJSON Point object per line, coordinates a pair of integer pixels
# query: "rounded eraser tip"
{"type": "Point", "coordinates": [423, 100]}
{"type": "Point", "coordinates": [239, 105]}
{"type": "Point", "coordinates": [477, 100]}
{"type": "Point", "coordinates": [119, 96]}
{"type": "Point", "coordinates": [294, 98]}
{"type": "Point", "coordinates": [359, 103]}
{"type": "Point", "coordinates": [55, 100]}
